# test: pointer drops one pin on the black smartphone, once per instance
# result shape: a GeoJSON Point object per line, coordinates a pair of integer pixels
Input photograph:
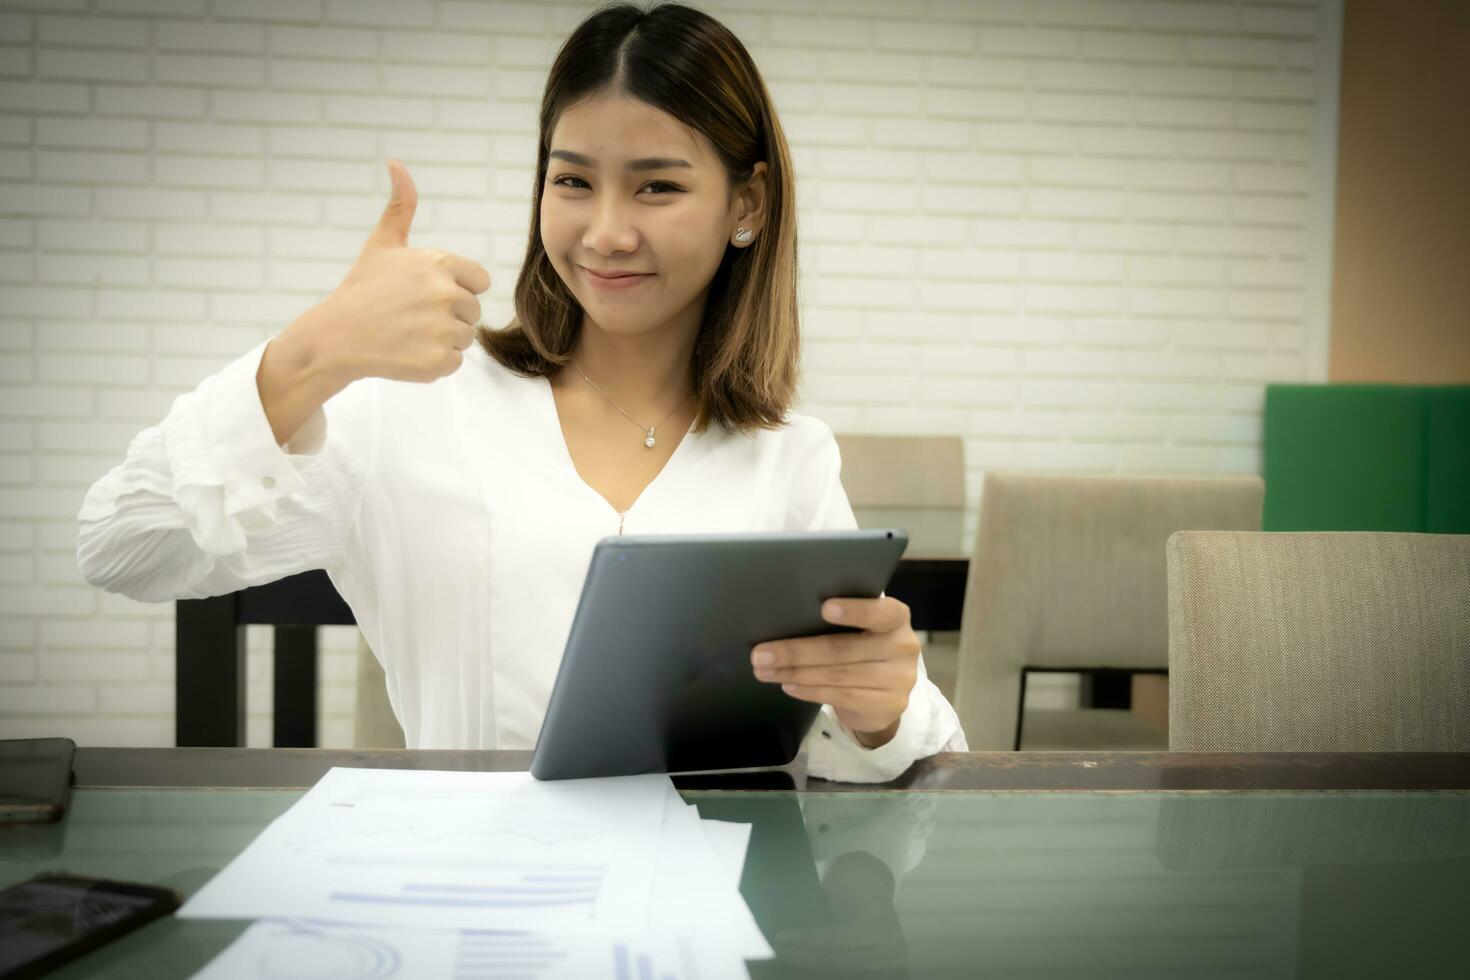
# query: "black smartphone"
{"type": "Point", "coordinates": [54, 918]}
{"type": "Point", "coordinates": [35, 779]}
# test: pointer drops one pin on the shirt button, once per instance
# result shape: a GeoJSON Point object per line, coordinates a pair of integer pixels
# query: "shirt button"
{"type": "Point", "coordinates": [826, 734]}
{"type": "Point", "coordinates": [268, 482]}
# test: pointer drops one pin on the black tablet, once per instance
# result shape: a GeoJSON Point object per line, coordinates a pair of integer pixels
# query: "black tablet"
{"type": "Point", "coordinates": [656, 676]}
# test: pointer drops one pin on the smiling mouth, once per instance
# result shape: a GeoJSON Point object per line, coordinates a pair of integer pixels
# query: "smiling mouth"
{"type": "Point", "coordinates": [615, 276]}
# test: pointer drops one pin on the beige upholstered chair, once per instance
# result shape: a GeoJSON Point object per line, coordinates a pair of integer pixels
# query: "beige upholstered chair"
{"type": "Point", "coordinates": [374, 726]}
{"type": "Point", "coordinates": [903, 471]}
{"type": "Point", "coordinates": [923, 477]}
{"type": "Point", "coordinates": [1319, 641]}
{"type": "Point", "coordinates": [1068, 574]}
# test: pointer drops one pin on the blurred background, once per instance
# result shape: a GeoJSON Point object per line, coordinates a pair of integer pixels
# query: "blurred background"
{"type": "Point", "coordinates": [1081, 235]}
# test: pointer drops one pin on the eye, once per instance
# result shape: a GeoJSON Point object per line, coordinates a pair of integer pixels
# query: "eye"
{"type": "Point", "coordinates": [664, 185]}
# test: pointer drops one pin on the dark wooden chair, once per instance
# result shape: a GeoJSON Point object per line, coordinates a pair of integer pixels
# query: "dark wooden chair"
{"type": "Point", "coordinates": [209, 681]}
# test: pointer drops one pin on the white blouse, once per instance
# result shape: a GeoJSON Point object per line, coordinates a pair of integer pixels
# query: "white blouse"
{"type": "Point", "coordinates": [453, 522]}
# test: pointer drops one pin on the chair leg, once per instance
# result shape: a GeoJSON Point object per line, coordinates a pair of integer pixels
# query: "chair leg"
{"type": "Point", "coordinates": [1020, 709]}
{"type": "Point", "coordinates": [209, 673]}
{"type": "Point", "coordinates": [1107, 689]}
{"type": "Point", "coordinates": [294, 695]}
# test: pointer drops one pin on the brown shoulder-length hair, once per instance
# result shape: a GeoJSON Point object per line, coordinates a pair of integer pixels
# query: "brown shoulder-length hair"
{"type": "Point", "coordinates": [691, 66]}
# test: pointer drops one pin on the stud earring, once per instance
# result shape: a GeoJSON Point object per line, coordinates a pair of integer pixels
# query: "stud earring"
{"type": "Point", "coordinates": [742, 235]}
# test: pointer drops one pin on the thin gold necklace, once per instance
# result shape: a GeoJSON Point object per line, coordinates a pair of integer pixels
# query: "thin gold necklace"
{"type": "Point", "coordinates": [648, 441]}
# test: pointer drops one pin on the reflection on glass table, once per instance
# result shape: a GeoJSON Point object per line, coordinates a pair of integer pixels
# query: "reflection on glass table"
{"type": "Point", "coordinates": [921, 884]}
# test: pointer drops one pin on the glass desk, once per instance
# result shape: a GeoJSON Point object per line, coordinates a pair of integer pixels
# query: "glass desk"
{"type": "Point", "coordinates": [970, 865]}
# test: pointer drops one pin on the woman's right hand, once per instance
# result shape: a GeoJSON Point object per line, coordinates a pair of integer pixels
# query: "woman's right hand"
{"type": "Point", "coordinates": [402, 313]}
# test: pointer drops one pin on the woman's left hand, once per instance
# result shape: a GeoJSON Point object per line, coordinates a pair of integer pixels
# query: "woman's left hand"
{"type": "Point", "coordinates": [866, 677]}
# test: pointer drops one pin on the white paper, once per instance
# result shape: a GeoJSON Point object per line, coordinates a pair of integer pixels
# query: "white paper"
{"type": "Point", "coordinates": [464, 850]}
{"type": "Point", "coordinates": [730, 841]}
{"type": "Point", "coordinates": [401, 873]}
{"type": "Point", "coordinates": [693, 893]}
{"type": "Point", "coordinates": [285, 949]}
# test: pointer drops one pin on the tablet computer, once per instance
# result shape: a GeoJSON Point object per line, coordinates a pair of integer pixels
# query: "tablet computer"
{"type": "Point", "coordinates": [656, 675]}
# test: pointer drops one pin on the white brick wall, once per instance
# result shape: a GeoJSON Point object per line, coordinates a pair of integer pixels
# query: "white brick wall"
{"type": "Point", "coordinates": [1080, 234]}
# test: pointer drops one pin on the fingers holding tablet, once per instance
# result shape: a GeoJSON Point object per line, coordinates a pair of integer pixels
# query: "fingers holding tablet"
{"type": "Point", "coordinates": [866, 676]}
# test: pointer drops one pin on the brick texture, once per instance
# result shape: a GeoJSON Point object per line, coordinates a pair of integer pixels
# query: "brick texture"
{"type": "Point", "coordinates": [1081, 235]}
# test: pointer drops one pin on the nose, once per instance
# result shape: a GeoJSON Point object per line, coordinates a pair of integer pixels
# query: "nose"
{"type": "Point", "coordinates": [609, 230]}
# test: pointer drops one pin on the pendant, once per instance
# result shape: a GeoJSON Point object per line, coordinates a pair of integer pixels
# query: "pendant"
{"type": "Point", "coordinates": [649, 442]}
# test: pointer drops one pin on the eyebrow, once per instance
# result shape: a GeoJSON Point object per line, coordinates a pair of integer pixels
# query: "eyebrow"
{"type": "Point", "coordinates": [646, 163]}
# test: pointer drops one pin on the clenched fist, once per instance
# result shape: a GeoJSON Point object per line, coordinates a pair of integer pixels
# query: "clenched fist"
{"type": "Point", "coordinates": [401, 312]}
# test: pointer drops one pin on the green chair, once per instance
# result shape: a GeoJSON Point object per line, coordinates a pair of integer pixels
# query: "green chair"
{"type": "Point", "coordinates": [1364, 457]}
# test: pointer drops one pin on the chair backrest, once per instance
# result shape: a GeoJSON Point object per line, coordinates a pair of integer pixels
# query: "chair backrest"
{"type": "Point", "coordinates": [903, 471]}
{"type": "Point", "coordinates": [210, 662]}
{"type": "Point", "coordinates": [1068, 572]}
{"type": "Point", "coordinates": [1319, 641]}
{"type": "Point", "coordinates": [1367, 457]}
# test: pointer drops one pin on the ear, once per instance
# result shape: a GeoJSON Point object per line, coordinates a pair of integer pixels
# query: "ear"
{"type": "Point", "coordinates": [751, 198]}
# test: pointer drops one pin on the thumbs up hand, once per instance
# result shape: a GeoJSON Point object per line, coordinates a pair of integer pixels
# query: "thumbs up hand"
{"type": "Point", "coordinates": [401, 312]}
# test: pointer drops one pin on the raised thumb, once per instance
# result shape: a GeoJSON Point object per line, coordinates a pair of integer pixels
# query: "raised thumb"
{"type": "Point", "coordinates": [392, 228]}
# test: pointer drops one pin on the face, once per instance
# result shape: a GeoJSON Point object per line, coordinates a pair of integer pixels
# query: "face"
{"type": "Point", "coordinates": [631, 189]}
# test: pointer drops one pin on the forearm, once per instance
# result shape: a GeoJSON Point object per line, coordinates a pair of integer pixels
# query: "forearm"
{"type": "Point", "coordinates": [296, 375]}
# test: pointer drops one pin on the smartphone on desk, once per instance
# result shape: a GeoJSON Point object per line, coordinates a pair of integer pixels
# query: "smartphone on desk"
{"type": "Point", "coordinates": [54, 918]}
{"type": "Point", "coordinates": [35, 779]}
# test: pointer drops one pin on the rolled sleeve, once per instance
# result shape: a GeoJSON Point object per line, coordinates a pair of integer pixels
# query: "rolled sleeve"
{"type": "Point", "coordinates": [206, 502]}
{"type": "Point", "coordinates": [225, 460]}
{"type": "Point", "coordinates": [837, 754]}
{"type": "Point", "coordinates": [928, 725]}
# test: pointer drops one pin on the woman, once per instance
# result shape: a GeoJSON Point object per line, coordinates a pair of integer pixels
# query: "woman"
{"type": "Point", "coordinates": [643, 387]}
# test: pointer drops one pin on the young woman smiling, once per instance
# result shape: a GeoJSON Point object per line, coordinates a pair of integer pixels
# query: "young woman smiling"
{"type": "Point", "coordinates": [643, 386]}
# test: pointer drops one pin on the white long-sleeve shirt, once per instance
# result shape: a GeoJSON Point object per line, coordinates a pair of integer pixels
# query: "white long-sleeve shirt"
{"type": "Point", "coordinates": [453, 522]}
